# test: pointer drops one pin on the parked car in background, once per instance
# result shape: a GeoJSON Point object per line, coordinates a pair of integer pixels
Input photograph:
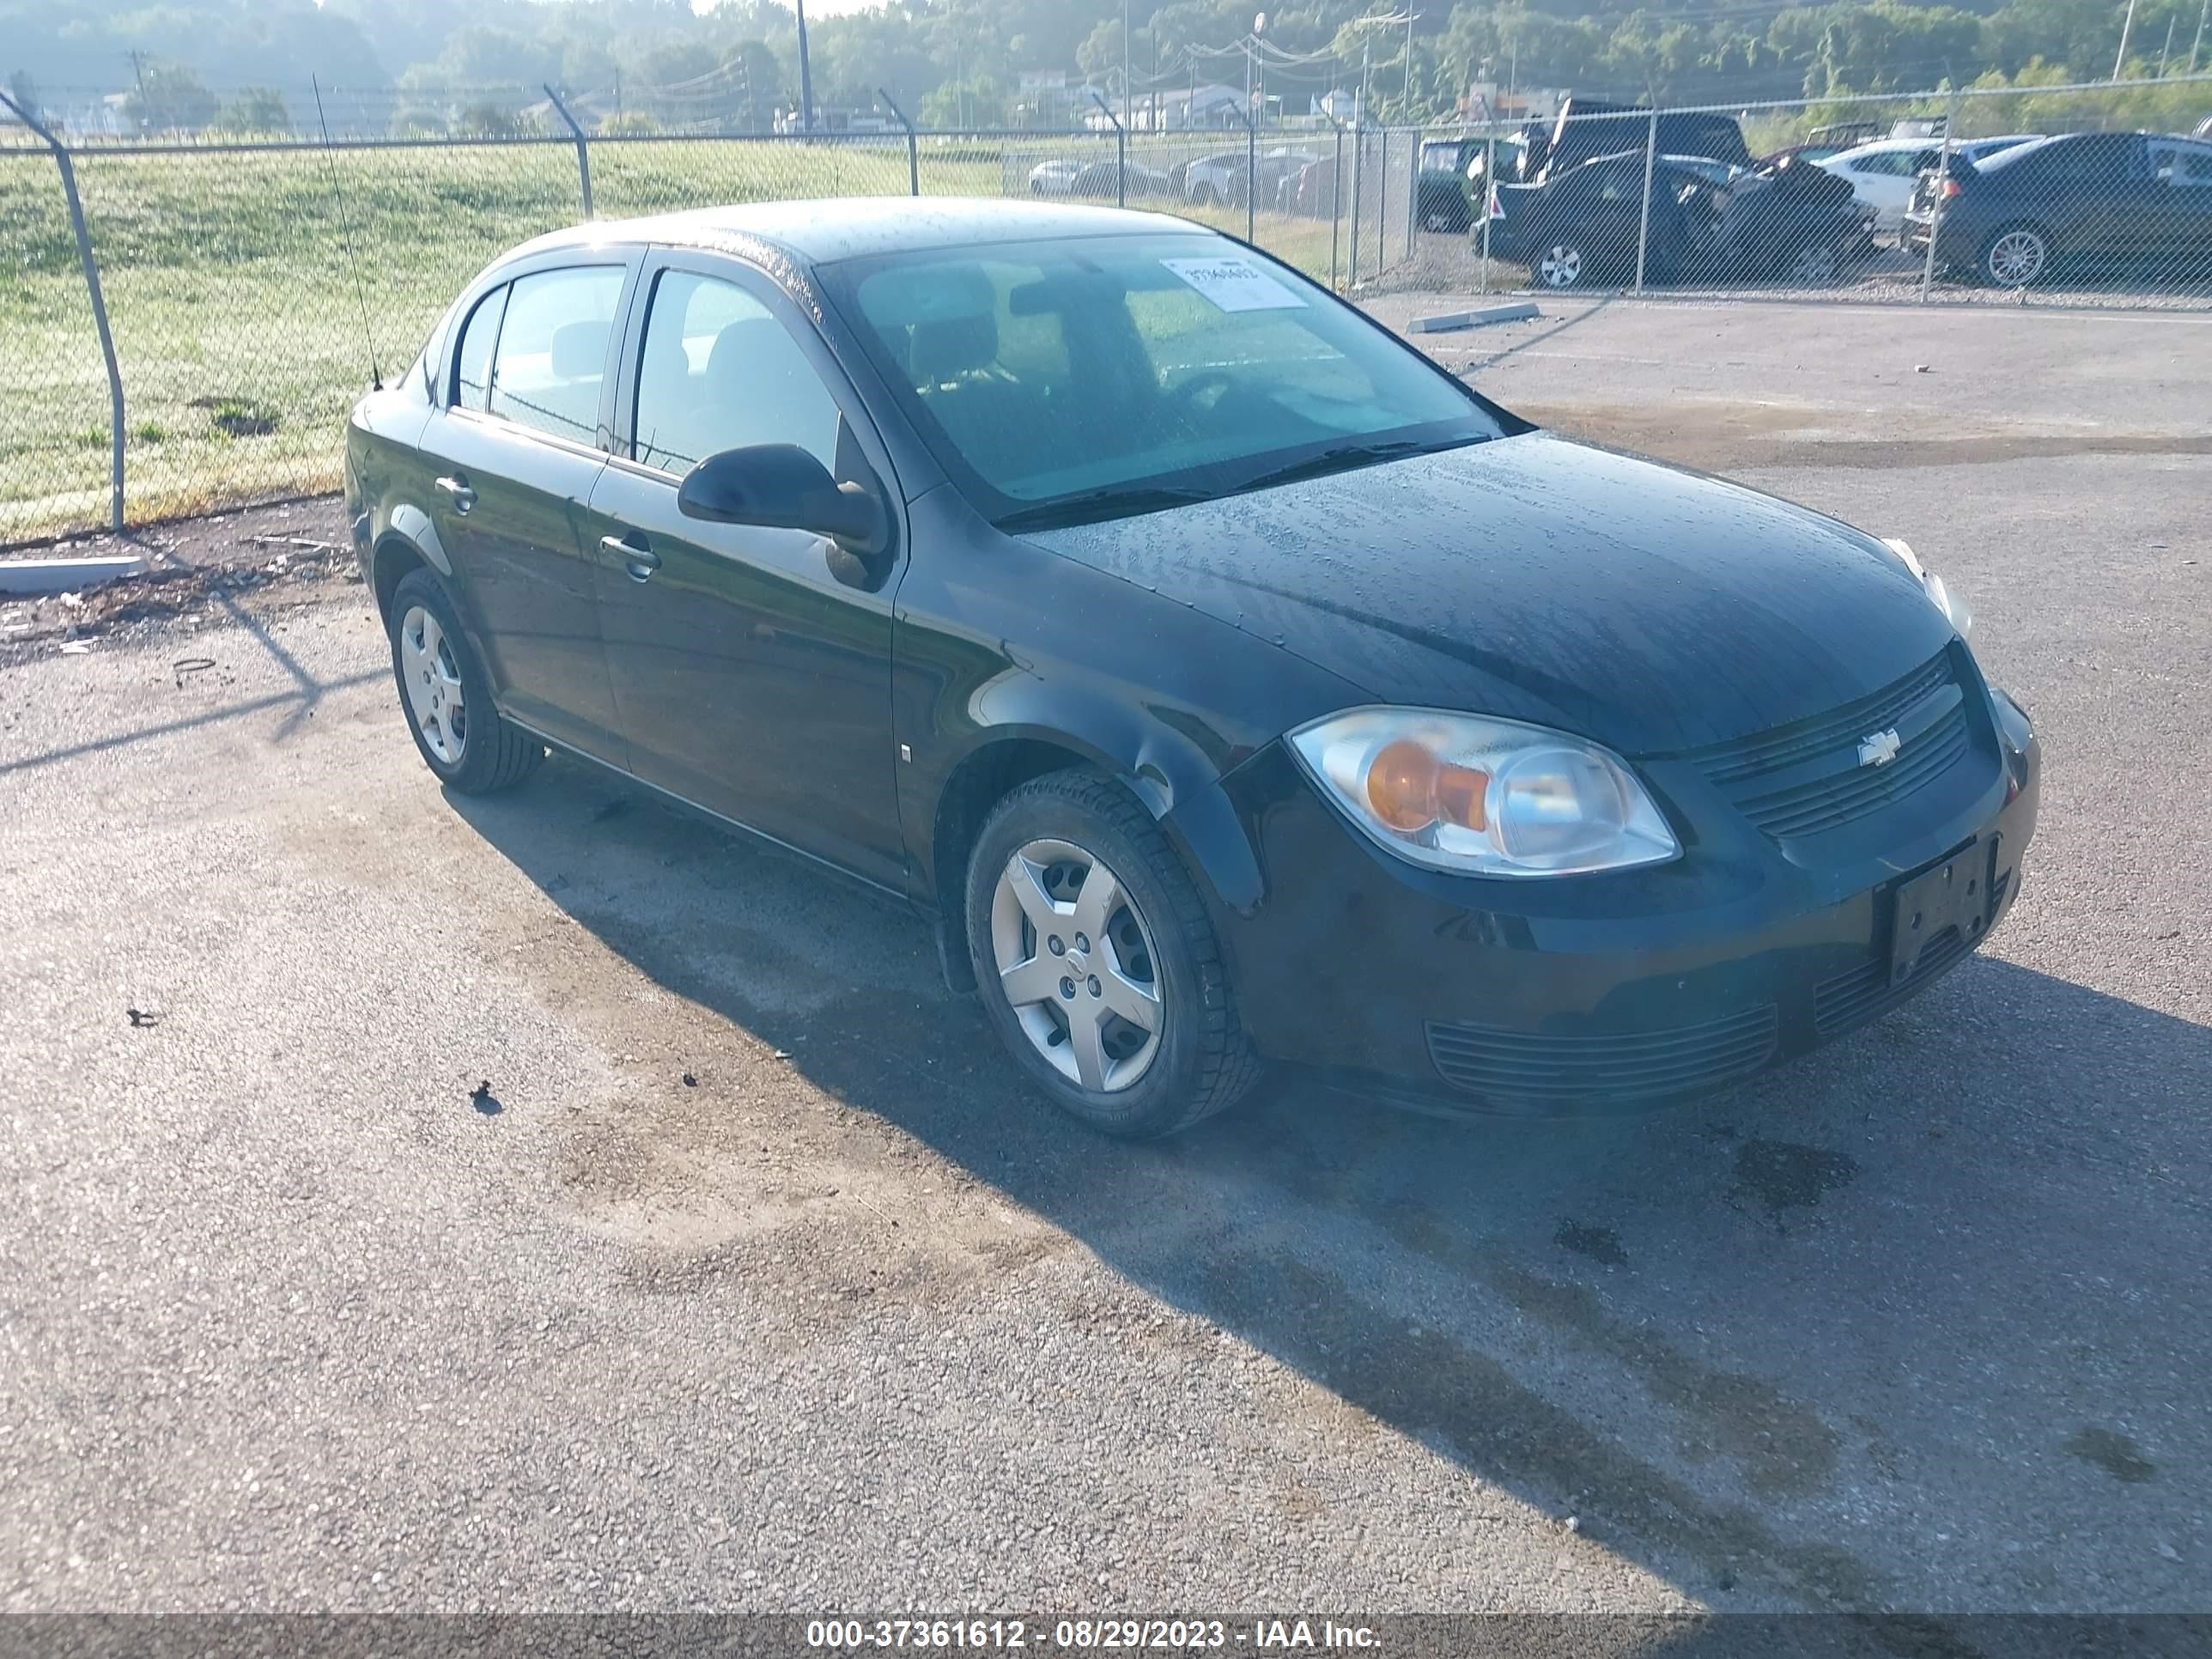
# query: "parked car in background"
{"type": "Point", "coordinates": [1054, 178]}
{"type": "Point", "coordinates": [1790, 222]}
{"type": "Point", "coordinates": [1098, 180]}
{"type": "Point", "coordinates": [1223, 680]}
{"type": "Point", "coordinates": [1712, 172]}
{"type": "Point", "coordinates": [1844, 135]}
{"type": "Point", "coordinates": [1209, 180]}
{"type": "Point", "coordinates": [1219, 180]}
{"type": "Point", "coordinates": [1587, 128]}
{"type": "Point", "coordinates": [2082, 201]}
{"type": "Point", "coordinates": [1882, 173]}
{"type": "Point", "coordinates": [1808, 153]}
{"type": "Point", "coordinates": [1442, 201]}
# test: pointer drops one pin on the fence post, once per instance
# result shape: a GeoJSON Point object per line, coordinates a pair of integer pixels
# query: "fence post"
{"type": "Point", "coordinates": [1413, 190]}
{"type": "Point", "coordinates": [1351, 263]}
{"type": "Point", "coordinates": [583, 149]}
{"type": "Point", "coordinates": [1936, 198]}
{"type": "Point", "coordinates": [1120, 151]}
{"type": "Point", "coordinates": [1489, 195]}
{"type": "Point", "coordinates": [1336, 201]}
{"type": "Point", "coordinates": [98, 309]}
{"type": "Point", "coordinates": [913, 147]}
{"type": "Point", "coordinates": [1650, 165]}
{"type": "Point", "coordinates": [1251, 178]}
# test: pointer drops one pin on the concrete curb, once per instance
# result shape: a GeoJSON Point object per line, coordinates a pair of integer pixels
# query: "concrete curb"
{"type": "Point", "coordinates": [65, 576]}
{"type": "Point", "coordinates": [1444, 322]}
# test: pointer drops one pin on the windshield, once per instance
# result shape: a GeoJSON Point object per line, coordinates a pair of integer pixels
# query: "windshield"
{"type": "Point", "coordinates": [1091, 377]}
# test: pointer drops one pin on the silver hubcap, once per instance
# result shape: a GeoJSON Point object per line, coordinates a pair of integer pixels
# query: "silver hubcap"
{"type": "Point", "coordinates": [432, 680]}
{"type": "Point", "coordinates": [1561, 268]}
{"type": "Point", "coordinates": [1076, 963]}
{"type": "Point", "coordinates": [2016, 258]}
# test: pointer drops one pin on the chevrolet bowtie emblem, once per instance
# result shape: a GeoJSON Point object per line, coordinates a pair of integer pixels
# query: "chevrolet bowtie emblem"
{"type": "Point", "coordinates": [1879, 748]}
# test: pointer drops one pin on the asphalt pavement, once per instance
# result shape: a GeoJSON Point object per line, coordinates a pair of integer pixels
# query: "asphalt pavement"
{"type": "Point", "coordinates": [549, 1202]}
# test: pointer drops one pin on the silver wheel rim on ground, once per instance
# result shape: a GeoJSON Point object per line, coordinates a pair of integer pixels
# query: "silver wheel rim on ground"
{"type": "Point", "coordinates": [1561, 267]}
{"type": "Point", "coordinates": [432, 680]}
{"type": "Point", "coordinates": [2016, 259]}
{"type": "Point", "coordinates": [1077, 966]}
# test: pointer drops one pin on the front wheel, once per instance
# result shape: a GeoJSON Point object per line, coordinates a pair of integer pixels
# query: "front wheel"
{"type": "Point", "coordinates": [1096, 963]}
{"type": "Point", "coordinates": [2016, 256]}
{"type": "Point", "coordinates": [447, 696]}
{"type": "Point", "coordinates": [1561, 265]}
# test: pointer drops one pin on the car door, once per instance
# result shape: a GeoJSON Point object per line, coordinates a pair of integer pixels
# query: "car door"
{"type": "Point", "coordinates": [518, 447]}
{"type": "Point", "coordinates": [752, 667]}
{"type": "Point", "coordinates": [2181, 208]}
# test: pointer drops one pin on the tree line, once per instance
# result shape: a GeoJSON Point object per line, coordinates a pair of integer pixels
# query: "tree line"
{"type": "Point", "coordinates": [425, 66]}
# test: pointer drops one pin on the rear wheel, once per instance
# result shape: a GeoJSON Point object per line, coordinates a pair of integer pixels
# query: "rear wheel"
{"type": "Point", "coordinates": [1562, 266]}
{"type": "Point", "coordinates": [2016, 256]}
{"type": "Point", "coordinates": [1814, 265]}
{"type": "Point", "coordinates": [1096, 963]}
{"type": "Point", "coordinates": [447, 697]}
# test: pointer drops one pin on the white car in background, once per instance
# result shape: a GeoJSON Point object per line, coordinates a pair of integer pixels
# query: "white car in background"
{"type": "Point", "coordinates": [1882, 175]}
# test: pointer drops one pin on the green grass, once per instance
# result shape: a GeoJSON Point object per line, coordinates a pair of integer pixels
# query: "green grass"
{"type": "Point", "coordinates": [242, 333]}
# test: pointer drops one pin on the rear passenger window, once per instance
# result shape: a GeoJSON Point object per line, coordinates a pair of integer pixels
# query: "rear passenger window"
{"type": "Point", "coordinates": [472, 370]}
{"type": "Point", "coordinates": [552, 353]}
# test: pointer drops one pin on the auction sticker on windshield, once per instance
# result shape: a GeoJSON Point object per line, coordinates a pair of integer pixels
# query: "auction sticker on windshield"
{"type": "Point", "coordinates": [1234, 285]}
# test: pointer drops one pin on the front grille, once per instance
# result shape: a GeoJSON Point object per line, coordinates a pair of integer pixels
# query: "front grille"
{"type": "Point", "coordinates": [1488, 1060]}
{"type": "Point", "coordinates": [1848, 999]}
{"type": "Point", "coordinates": [1807, 778]}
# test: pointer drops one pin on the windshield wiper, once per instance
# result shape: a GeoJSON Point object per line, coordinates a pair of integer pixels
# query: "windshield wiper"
{"type": "Point", "coordinates": [1092, 505]}
{"type": "Point", "coordinates": [1346, 456]}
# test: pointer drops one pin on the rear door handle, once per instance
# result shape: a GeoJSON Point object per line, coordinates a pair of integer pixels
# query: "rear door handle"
{"type": "Point", "coordinates": [458, 486]}
{"type": "Point", "coordinates": [639, 560]}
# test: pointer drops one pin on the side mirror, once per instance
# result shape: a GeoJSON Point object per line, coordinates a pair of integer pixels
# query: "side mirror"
{"type": "Point", "coordinates": [781, 487]}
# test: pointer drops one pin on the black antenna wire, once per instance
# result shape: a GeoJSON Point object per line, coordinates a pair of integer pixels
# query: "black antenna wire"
{"type": "Point", "coordinates": [353, 252]}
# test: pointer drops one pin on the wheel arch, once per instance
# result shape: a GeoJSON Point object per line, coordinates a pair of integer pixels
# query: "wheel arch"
{"type": "Point", "coordinates": [1180, 789]}
{"type": "Point", "coordinates": [409, 542]}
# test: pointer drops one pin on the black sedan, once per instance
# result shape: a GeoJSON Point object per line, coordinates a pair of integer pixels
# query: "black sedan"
{"type": "Point", "coordinates": [1225, 681]}
{"type": "Point", "coordinates": [1789, 223]}
{"type": "Point", "coordinates": [2079, 203]}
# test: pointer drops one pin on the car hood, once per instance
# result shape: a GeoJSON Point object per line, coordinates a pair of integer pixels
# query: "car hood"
{"type": "Point", "coordinates": [1540, 580]}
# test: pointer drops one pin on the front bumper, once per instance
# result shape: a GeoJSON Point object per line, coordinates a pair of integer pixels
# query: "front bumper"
{"type": "Point", "coordinates": [1596, 993]}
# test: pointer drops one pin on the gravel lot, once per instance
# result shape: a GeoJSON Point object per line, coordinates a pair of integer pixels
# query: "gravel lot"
{"type": "Point", "coordinates": [549, 1202]}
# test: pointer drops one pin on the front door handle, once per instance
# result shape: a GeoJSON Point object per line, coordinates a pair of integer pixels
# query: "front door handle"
{"type": "Point", "coordinates": [638, 559]}
{"type": "Point", "coordinates": [457, 487]}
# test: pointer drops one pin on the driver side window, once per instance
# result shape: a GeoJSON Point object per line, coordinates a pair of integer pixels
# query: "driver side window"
{"type": "Point", "coordinates": [720, 371]}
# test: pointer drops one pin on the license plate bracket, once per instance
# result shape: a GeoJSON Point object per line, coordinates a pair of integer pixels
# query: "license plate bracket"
{"type": "Point", "coordinates": [1954, 893]}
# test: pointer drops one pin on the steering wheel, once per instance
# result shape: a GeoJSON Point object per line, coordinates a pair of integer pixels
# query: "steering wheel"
{"type": "Point", "coordinates": [1190, 393]}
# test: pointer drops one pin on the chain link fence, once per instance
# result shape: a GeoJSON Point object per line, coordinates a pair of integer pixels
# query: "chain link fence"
{"type": "Point", "coordinates": [251, 285]}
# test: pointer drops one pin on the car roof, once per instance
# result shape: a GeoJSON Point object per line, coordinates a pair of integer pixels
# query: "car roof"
{"type": "Point", "coordinates": [823, 231]}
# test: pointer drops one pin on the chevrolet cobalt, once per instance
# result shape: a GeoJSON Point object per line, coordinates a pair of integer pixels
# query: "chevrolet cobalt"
{"type": "Point", "coordinates": [1225, 681]}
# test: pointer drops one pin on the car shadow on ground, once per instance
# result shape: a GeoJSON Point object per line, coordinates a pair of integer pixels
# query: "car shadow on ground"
{"type": "Point", "coordinates": [1810, 1280]}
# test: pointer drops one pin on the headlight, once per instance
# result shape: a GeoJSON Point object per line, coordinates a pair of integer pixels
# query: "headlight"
{"type": "Point", "coordinates": [1954, 607]}
{"type": "Point", "coordinates": [1483, 796]}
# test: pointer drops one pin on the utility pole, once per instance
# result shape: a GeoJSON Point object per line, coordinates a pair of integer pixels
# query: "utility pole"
{"type": "Point", "coordinates": [2167, 49]}
{"type": "Point", "coordinates": [1410, 16]}
{"type": "Point", "coordinates": [2126, 25]}
{"type": "Point", "coordinates": [2202, 7]}
{"type": "Point", "coordinates": [1125, 63]}
{"type": "Point", "coordinates": [807, 73]}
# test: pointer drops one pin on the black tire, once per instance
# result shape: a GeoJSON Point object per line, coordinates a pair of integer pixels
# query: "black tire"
{"type": "Point", "coordinates": [1989, 263]}
{"type": "Point", "coordinates": [494, 755]}
{"type": "Point", "coordinates": [1205, 1062]}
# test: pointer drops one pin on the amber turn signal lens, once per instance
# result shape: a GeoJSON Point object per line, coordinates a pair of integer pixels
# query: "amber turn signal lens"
{"type": "Point", "coordinates": [1409, 789]}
